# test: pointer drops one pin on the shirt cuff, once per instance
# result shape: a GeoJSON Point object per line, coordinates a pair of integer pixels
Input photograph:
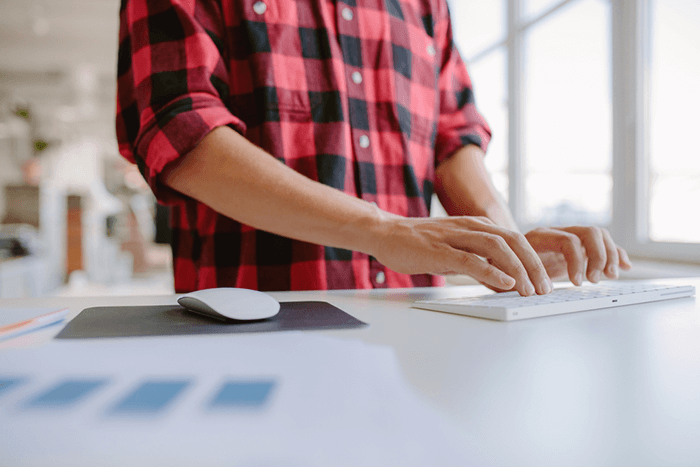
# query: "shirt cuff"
{"type": "Point", "coordinates": [445, 148]}
{"type": "Point", "coordinates": [174, 131]}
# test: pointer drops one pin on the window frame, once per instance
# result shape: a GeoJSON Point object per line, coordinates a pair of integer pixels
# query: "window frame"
{"type": "Point", "coordinates": [631, 159]}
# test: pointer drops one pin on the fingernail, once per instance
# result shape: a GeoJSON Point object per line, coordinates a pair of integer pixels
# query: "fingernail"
{"type": "Point", "coordinates": [578, 280]}
{"type": "Point", "coordinates": [545, 287]}
{"type": "Point", "coordinates": [508, 281]}
{"type": "Point", "coordinates": [595, 277]}
{"type": "Point", "coordinates": [529, 288]}
{"type": "Point", "coordinates": [614, 271]}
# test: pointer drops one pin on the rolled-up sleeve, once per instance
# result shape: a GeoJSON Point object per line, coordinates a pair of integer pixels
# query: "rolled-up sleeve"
{"type": "Point", "coordinates": [459, 122]}
{"type": "Point", "coordinates": [172, 83]}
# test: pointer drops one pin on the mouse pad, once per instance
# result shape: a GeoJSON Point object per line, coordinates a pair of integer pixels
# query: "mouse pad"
{"type": "Point", "coordinates": [174, 320]}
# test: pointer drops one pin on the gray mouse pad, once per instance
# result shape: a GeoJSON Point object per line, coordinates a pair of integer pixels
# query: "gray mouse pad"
{"type": "Point", "coordinates": [174, 320]}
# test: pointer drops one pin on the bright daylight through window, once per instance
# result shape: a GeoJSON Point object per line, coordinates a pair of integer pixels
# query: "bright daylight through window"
{"type": "Point", "coordinates": [674, 119]}
{"type": "Point", "coordinates": [558, 168]}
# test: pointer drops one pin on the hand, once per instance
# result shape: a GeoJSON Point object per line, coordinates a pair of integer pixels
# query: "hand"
{"type": "Point", "coordinates": [579, 252]}
{"type": "Point", "coordinates": [455, 245]}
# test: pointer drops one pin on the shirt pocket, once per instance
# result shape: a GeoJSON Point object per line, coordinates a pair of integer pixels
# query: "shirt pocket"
{"type": "Point", "coordinates": [273, 58]}
{"type": "Point", "coordinates": [414, 59]}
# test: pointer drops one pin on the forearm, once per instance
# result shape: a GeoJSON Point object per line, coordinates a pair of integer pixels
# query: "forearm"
{"type": "Point", "coordinates": [464, 188]}
{"type": "Point", "coordinates": [239, 180]}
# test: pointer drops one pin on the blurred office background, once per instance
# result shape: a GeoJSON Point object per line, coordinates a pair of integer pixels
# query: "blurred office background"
{"type": "Point", "coordinates": [593, 106]}
{"type": "Point", "coordinates": [76, 218]}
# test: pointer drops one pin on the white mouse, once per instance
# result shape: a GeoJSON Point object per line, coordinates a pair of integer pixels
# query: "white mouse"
{"type": "Point", "coordinates": [231, 303]}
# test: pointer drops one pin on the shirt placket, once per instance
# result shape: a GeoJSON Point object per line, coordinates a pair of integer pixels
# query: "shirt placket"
{"type": "Point", "coordinates": [348, 25]}
{"type": "Point", "coordinates": [350, 44]}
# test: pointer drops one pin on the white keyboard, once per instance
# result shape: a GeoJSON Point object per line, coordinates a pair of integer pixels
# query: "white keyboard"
{"type": "Point", "coordinates": [510, 306]}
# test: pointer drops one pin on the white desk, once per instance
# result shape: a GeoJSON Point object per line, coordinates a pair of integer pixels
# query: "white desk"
{"type": "Point", "coordinates": [616, 387]}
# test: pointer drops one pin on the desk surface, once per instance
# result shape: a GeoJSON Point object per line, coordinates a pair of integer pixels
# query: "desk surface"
{"type": "Point", "coordinates": [608, 387]}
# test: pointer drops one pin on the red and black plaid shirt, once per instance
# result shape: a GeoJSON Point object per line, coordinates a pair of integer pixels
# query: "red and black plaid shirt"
{"type": "Point", "coordinates": [366, 96]}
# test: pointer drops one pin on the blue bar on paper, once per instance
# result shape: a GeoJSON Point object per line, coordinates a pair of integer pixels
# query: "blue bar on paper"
{"type": "Point", "coordinates": [150, 397]}
{"type": "Point", "coordinates": [66, 394]}
{"type": "Point", "coordinates": [243, 394]}
{"type": "Point", "coordinates": [7, 383]}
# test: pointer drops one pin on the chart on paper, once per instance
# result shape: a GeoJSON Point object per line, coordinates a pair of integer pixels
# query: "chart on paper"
{"type": "Point", "coordinates": [151, 396]}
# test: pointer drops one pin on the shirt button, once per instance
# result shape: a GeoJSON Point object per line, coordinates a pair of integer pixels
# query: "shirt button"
{"type": "Point", "coordinates": [380, 278]}
{"type": "Point", "coordinates": [364, 141]}
{"type": "Point", "coordinates": [347, 14]}
{"type": "Point", "coordinates": [431, 50]}
{"type": "Point", "coordinates": [357, 77]}
{"type": "Point", "coordinates": [260, 8]}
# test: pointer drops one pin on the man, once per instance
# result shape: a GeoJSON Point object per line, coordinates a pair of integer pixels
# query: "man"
{"type": "Point", "coordinates": [300, 143]}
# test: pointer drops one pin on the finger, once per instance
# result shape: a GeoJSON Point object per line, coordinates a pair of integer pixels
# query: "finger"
{"type": "Point", "coordinates": [613, 258]}
{"type": "Point", "coordinates": [563, 242]}
{"type": "Point", "coordinates": [496, 289]}
{"type": "Point", "coordinates": [481, 219]}
{"type": "Point", "coordinates": [555, 265]}
{"type": "Point", "coordinates": [471, 265]}
{"type": "Point", "coordinates": [592, 240]}
{"type": "Point", "coordinates": [535, 274]}
{"type": "Point", "coordinates": [531, 260]}
{"type": "Point", "coordinates": [625, 262]}
{"type": "Point", "coordinates": [497, 250]}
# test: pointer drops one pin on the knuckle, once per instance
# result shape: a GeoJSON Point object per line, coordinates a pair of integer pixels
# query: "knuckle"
{"type": "Point", "coordinates": [573, 241]}
{"type": "Point", "coordinates": [496, 242]}
{"type": "Point", "coordinates": [520, 273]}
{"type": "Point", "coordinates": [598, 233]}
{"type": "Point", "coordinates": [594, 234]}
{"type": "Point", "coordinates": [609, 242]}
{"type": "Point", "coordinates": [511, 235]}
{"type": "Point", "coordinates": [538, 235]}
{"type": "Point", "coordinates": [465, 221]}
{"type": "Point", "coordinates": [597, 260]}
{"type": "Point", "coordinates": [519, 239]}
{"type": "Point", "coordinates": [468, 262]}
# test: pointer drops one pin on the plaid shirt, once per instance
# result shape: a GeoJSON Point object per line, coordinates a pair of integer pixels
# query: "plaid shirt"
{"type": "Point", "coordinates": [366, 96]}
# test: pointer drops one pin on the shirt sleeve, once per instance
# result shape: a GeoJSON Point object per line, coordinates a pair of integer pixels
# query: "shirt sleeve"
{"type": "Point", "coordinates": [172, 82]}
{"type": "Point", "coordinates": [459, 123]}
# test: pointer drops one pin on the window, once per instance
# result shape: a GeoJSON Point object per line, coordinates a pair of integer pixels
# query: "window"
{"type": "Point", "coordinates": [481, 27]}
{"type": "Point", "coordinates": [656, 194]}
{"type": "Point", "coordinates": [567, 111]}
{"type": "Point", "coordinates": [594, 110]}
{"type": "Point", "coordinates": [489, 77]}
{"type": "Point", "coordinates": [534, 8]}
{"type": "Point", "coordinates": [674, 120]}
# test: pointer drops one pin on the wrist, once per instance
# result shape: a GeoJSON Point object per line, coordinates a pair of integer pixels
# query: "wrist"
{"type": "Point", "coordinates": [370, 231]}
{"type": "Point", "coordinates": [498, 212]}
